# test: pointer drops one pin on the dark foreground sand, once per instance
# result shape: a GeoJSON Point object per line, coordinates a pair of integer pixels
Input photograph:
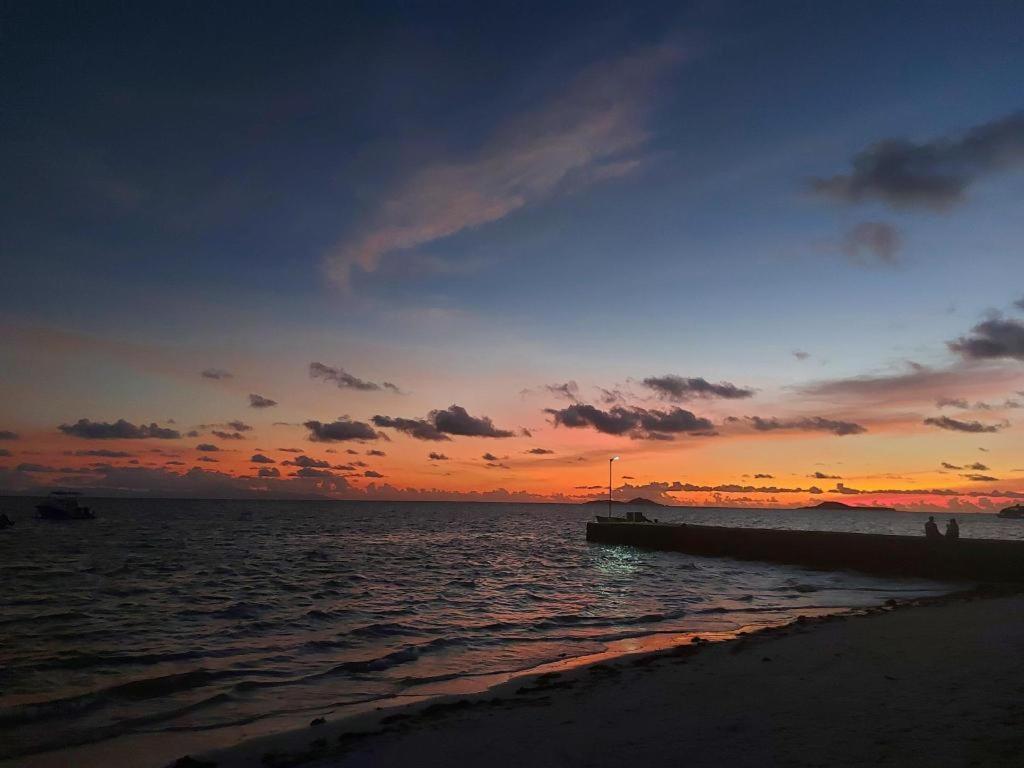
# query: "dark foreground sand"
{"type": "Point", "coordinates": [939, 683]}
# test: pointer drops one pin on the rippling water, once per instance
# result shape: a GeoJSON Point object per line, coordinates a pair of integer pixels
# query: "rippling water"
{"type": "Point", "coordinates": [196, 617]}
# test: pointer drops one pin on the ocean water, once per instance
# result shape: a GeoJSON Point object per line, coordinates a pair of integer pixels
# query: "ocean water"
{"type": "Point", "coordinates": [207, 619]}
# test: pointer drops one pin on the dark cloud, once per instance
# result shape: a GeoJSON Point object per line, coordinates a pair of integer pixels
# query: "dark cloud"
{"type": "Point", "coordinates": [306, 461]}
{"type": "Point", "coordinates": [806, 424]}
{"type": "Point", "coordinates": [346, 380]}
{"type": "Point", "coordinates": [375, 452]}
{"type": "Point", "coordinates": [6, 434]}
{"type": "Point", "coordinates": [340, 430]}
{"type": "Point", "coordinates": [981, 478]}
{"type": "Point", "coordinates": [208, 447]}
{"type": "Point", "coordinates": [119, 430]}
{"type": "Point", "coordinates": [638, 423]}
{"type": "Point", "coordinates": [259, 401]}
{"type": "Point", "coordinates": [311, 472]}
{"type": "Point", "coordinates": [268, 472]}
{"type": "Point", "coordinates": [490, 457]}
{"type": "Point", "coordinates": [947, 465]}
{"type": "Point", "coordinates": [26, 467]}
{"type": "Point", "coordinates": [372, 473]}
{"type": "Point", "coordinates": [454, 420]}
{"type": "Point", "coordinates": [417, 428]}
{"type": "Point", "coordinates": [677, 389]}
{"type": "Point", "coordinates": [259, 458]}
{"type": "Point", "coordinates": [611, 396]}
{"type": "Point", "coordinates": [800, 354]}
{"type": "Point", "coordinates": [290, 450]}
{"type": "Point", "coordinates": [438, 424]}
{"type": "Point", "coordinates": [216, 374]}
{"type": "Point", "coordinates": [540, 451]}
{"type": "Point", "coordinates": [952, 402]}
{"type": "Point", "coordinates": [569, 390]}
{"type": "Point", "coordinates": [239, 426]}
{"type": "Point", "coordinates": [955, 425]}
{"type": "Point", "coordinates": [227, 435]}
{"type": "Point", "coordinates": [5, 453]}
{"type": "Point", "coordinates": [977, 467]}
{"type": "Point", "coordinates": [103, 453]}
{"type": "Point", "coordinates": [437, 457]}
{"type": "Point", "coordinates": [823, 476]}
{"type": "Point", "coordinates": [934, 174]}
{"type": "Point", "coordinates": [1019, 303]}
{"type": "Point", "coordinates": [208, 459]}
{"type": "Point", "coordinates": [997, 337]}
{"type": "Point", "coordinates": [763, 476]}
{"type": "Point", "coordinates": [872, 242]}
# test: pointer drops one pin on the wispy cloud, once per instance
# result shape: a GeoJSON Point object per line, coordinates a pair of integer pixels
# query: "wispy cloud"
{"type": "Point", "coordinates": [592, 131]}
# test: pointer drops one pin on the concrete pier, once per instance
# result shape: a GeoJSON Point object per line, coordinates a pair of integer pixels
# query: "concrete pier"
{"type": "Point", "coordinates": [977, 560]}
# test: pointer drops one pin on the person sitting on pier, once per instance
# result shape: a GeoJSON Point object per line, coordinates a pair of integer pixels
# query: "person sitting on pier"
{"type": "Point", "coordinates": [952, 529]}
{"type": "Point", "coordinates": [931, 530]}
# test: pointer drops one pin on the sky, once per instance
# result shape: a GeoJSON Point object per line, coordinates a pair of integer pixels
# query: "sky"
{"type": "Point", "coordinates": [769, 255]}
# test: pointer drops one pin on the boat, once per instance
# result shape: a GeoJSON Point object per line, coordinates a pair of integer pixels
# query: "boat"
{"type": "Point", "coordinates": [63, 505]}
{"type": "Point", "coordinates": [1016, 512]}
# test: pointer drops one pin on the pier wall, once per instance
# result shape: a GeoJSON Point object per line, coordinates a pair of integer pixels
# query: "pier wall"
{"type": "Point", "coordinates": [976, 560]}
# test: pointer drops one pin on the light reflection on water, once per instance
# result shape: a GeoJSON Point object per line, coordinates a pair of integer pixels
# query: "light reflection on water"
{"type": "Point", "coordinates": [188, 616]}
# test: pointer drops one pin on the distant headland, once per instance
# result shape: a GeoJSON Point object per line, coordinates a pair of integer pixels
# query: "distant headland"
{"type": "Point", "coordinates": [838, 506]}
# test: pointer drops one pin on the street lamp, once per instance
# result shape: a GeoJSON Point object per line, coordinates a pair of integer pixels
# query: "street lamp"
{"type": "Point", "coordinates": [613, 458]}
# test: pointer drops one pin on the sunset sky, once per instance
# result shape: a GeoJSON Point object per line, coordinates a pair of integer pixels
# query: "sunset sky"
{"type": "Point", "coordinates": [768, 256]}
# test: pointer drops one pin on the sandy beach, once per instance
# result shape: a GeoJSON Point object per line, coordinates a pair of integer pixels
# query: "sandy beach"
{"type": "Point", "coordinates": [936, 682]}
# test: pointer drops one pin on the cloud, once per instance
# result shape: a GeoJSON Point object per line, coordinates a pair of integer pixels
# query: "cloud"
{"type": "Point", "coordinates": [589, 132]}
{"type": "Point", "coordinates": [375, 452]}
{"type": "Point", "coordinates": [239, 426]}
{"type": "Point", "coordinates": [311, 472]}
{"type": "Point", "coordinates": [119, 430]}
{"type": "Point", "coordinates": [227, 435]}
{"type": "Point", "coordinates": [570, 390]}
{"type": "Point", "coordinates": [342, 429]}
{"type": "Point", "coordinates": [997, 337]}
{"type": "Point", "coordinates": [208, 447]}
{"type": "Point", "coordinates": [490, 457]}
{"type": "Point", "coordinates": [823, 476]}
{"type": "Point", "coordinates": [103, 453]}
{"type": "Point", "coordinates": [259, 401]}
{"type": "Point", "coordinates": [209, 459]}
{"type": "Point", "coordinates": [5, 453]}
{"type": "Point", "coordinates": [540, 451]}
{"type": "Point", "coordinates": [6, 434]}
{"type": "Point", "coordinates": [763, 476]}
{"type": "Point", "coordinates": [216, 373]}
{"type": "Point", "coordinates": [872, 242]}
{"type": "Point", "coordinates": [347, 380]}
{"type": "Point", "coordinates": [952, 402]}
{"type": "Point", "coordinates": [933, 174]}
{"type": "Point", "coordinates": [438, 424]}
{"type": "Point", "coordinates": [806, 424]}
{"type": "Point", "coordinates": [799, 354]}
{"type": "Point", "coordinates": [981, 478]}
{"type": "Point", "coordinates": [638, 423]}
{"type": "Point", "coordinates": [676, 388]}
{"type": "Point", "coordinates": [417, 428]}
{"type": "Point", "coordinates": [268, 472]}
{"type": "Point", "coordinates": [437, 456]}
{"type": "Point", "coordinates": [372, 473]}
{"type": "Point", "coordinates": [259, 458]}
{"type": "Point", "coordinates": [947, 465]}
{"type": "Point", "coordinates": [955, 425]}
{"type": "Point", "coordinates": [306, 461]}
{"type": "Point", "coordinates": [454, 420]}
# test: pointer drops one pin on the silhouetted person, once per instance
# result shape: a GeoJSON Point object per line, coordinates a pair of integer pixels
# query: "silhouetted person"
{"type": "Point", "coordinates": [952, 529]}
{"type": "Point", "coordinates": [931, 530]}
{"type": "Point", "coordinates": [5, 521]}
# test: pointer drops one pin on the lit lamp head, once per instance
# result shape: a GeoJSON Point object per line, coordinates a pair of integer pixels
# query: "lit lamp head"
{"type": "Point", "coordinates": [614, 458]}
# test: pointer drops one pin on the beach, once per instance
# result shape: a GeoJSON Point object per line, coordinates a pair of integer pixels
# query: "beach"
{"type": "Point", "coordinates": [929, 682]}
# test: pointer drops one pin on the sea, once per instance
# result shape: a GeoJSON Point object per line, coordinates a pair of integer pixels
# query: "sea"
{"type": "Point", "coordinates": [165, 627]}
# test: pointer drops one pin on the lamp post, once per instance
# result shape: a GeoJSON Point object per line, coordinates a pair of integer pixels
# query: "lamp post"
{"type": "Point", "coordinates": [613, 458]}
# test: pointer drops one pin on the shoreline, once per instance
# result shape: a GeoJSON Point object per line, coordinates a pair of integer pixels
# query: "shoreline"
{"type": "Point", "coordinates": [532, 700]}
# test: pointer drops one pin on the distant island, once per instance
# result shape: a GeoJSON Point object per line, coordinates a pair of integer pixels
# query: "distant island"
{"type": "Point", "coordinates": [637, 500]}
{"type": "Point", "coordinates": [838, 506]}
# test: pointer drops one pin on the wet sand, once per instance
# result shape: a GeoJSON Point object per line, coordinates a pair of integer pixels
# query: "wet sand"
{"type": "Point", "coordinates": [934, 682]}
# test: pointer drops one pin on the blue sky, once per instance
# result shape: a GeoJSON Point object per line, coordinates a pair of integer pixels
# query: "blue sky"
{"type": "Point", "coordinates": [529, 193]}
